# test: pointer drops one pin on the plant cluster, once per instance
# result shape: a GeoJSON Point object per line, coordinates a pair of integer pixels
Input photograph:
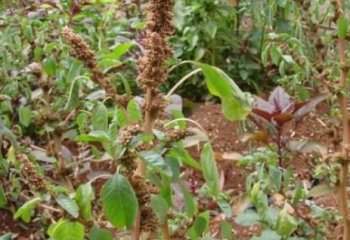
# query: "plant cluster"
{"type": "Point", "coordinates": [82, 158]}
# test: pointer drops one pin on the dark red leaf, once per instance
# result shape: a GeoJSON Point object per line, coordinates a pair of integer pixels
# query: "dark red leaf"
{"type": "Point", "coordinates": [299, 105]}
{"type": "Point", "coordinates": [280, 99]}
{"type": "Point", "coordinates": [289, 109]}
{"type": "Point", "coordinates": [309, 106]}
{"type": "Point", "coordinates": [263, 105]}
{"type": "Point", "coordinates": [263, 114]}
{"type": "Point", "coordinates": [282, 118]}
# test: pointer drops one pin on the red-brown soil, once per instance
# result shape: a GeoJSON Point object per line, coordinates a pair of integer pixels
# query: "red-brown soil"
{"type": "Point", "coordinates": [227, 137]}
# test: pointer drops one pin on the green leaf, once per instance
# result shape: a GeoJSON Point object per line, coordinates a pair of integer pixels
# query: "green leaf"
{"type": "Point", "coordinates": [276, 55]}
{"type": "Point", "coordinates": [235, 103]}
{"type": "Point", "coordinates": [160, 207]}
{"type": "Point", "coordinates": [181, 153]}
{"type": "Point", "coordinates": [199, 53]}
{"type": "Point", "coordinates": [190, 203]}
{"type": "Point", "coordinates": [120, 204]}
{"type": "Point", "coordinates": [66, 230]}
{"type": "Point", "coordinates": [343, 26]}
{"type": "Point", "coordinates": [84, 196]}
{"type": "Point", "coordinates": [226, 230]}
{"type": "Point", "coordinates": [120, 117]}
{"type": "Point", "coordinates": [69, 205]}
{"type": "Point", "coordinates": [26, 210]}
{"type": "Point", "coordinates": [152, 158]}
{"type": "Point", "coordinates": [275, 177]}
{"type": "Point", "coordinates": [100, 118]}
{"type": "Point", "coordinates": [120, 50]}
{"type": "Point", "coordinates": [25, 116]}
{"type": "Point", "coordinates": [248, 218]}
{"type": "Point", "coordinates": [6, 236]}
{"type": "Point", "coordinates": [299, 194]}
{"type": "Point", "coordinates": [100, 234]}
{"type": "Point", "coordinates": [73, 97]}
{"type": "Point", "coordinates": [200, 226]}
{"type": "Point", "coordinates": [288, 59]}
{"type": "Point", "coordinates": [209, 168]}
{"type": "Point", "coordinates": [49, 66]}
{"type": "Point", "coordinates": [225, 207]}
{"type": "Point", "coordinates": [265, 55]}
{"type": "Point", "coordinates": [211, 28]}
{"type": "Point", "coordinates": [3, 199]}
{"type": "Point", "coordinates": [93, 136]}
{"type": "Point", "coordinates": [268, 234]}
{"type": "Point", "coordinates": [286, 224]}
{"type": "Point", "coordinates": [134, 112]}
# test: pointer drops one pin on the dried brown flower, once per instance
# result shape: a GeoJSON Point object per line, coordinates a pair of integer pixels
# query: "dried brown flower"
{"type": "Point", "coordinates": [128, 160]}
{"type": "Point", "coordinates": [149, 222]}
{"type": "Point", "coordinates": [152, 66]}
{"type": "Point", "coordinates": [141, 188]}
{"type": "Point", "coordinates": [174, 135]}
{"type": "Point", "coordinates": [30, 173]}
{"type": "Point", "coordinates": [127, 133]}
{"type": "Point", "coordinates": [82, 51]}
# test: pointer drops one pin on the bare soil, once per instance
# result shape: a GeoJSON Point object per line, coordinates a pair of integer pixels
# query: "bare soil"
{"type": "Point", "coordinates": [227, 137]}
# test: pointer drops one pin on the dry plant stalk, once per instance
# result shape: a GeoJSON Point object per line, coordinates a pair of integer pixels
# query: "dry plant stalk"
{"type": "Point", "coordinates": [342, 188]}
{"type": "Point", "coordinates": [152, 73]}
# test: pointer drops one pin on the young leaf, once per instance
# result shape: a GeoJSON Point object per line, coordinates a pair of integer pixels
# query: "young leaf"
{"type": "Point", "coordinates": [226, 230]}
{"type": "Point", "coordinates": [69, 205]}
{"type": "Point", "coordinates": [25, 116]}
{"type": "Point", "coordinates": [343, 25]}
{"type": "Point", "coordinates": [50, 66]}
{"type": "Point", "coordinates": [248, 218]}
{"type": "Point", "coordinates": [160, 207]}
{"type": "Point", "coordinates": [100, 234]}
{"type": "Point", "coordinates": [280, 99]}
{"type": "Point", "coordinates": [190, 203]}
{"type": "Point", "coordinates": [209, 168]}
{"type": "Point", "coordinates": [84, 196]}
{"type": "Point", "coordinates": [120, 204]}
{"type": "Point", "coordinates": [152, 158]}
{"type": "Point", "coordinates": [3, 199]}
{"type": "Point", "coordinates": [268, 234]}
{"type": "Point", "coordinates": [6, 236]}
{"type": "Point", "coordinates": [286, 224]}
{"type": "Point", "coordinates": [100, 118]}
{"type": "Point", "coordinates": [73, 97]}
{"type": "Point", "coordinates": [179, 152]}
{"type": "Point", "coordinates": [200, 226]}
{"type": "Point", "coordinates": [26, 210]}
{"type": "Point", "coordinates": [134, 112]}
{"type": "Point", "coordinates": [66, 230]}
{"type": "Point", "coordinates": [211, 28]}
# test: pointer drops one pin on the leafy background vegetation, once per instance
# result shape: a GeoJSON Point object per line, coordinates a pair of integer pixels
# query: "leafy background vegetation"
{"type": "Point", "coordinates": [88, 153]}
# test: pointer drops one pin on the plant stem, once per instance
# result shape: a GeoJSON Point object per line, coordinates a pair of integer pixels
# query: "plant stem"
{"type": "Point", "coordinates": [342, 191]}
{"type": "Point", "coordinates": [165, 230]}
{"type": "Point", "coordinates": [141, 165]}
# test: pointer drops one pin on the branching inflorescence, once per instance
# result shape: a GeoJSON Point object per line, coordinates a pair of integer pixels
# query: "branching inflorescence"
{"type": "Point", "coordinates": [82, 51]}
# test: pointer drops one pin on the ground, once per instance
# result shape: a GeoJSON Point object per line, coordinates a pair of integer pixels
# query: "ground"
{"type": "Point", "coordinates": [226, 138]}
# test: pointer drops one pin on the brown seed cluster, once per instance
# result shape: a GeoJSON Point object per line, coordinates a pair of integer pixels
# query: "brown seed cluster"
{"type": "Point", "coordinates": [143, 190]}
{"type": "Point", "coordinates": [30, 173]}
{"type": "Point", "coordinates": [174, 135]}
{"type": "Point", "coordinates": [82, 51]}
{"type": "Point", "coordinates": [126, 134]}
{"type": "Point", "coordinates": [149, 221]}
{"type": "Point", "coordinates": [152, 66]}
